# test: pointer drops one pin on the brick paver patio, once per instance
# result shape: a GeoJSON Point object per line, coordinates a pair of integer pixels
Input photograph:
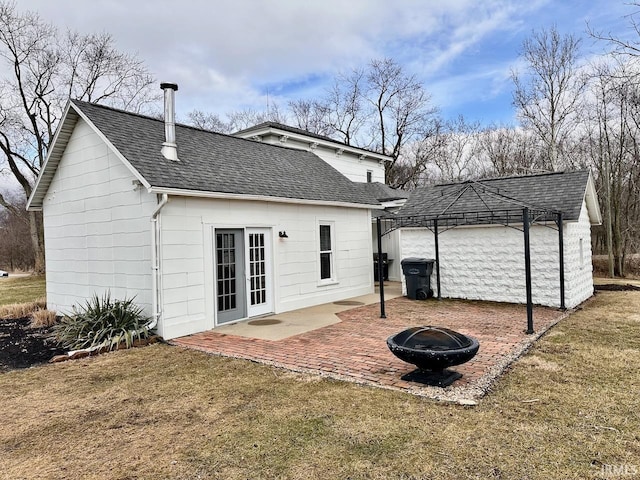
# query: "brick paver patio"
{"type": "Point", "coordinates": [355, 349]}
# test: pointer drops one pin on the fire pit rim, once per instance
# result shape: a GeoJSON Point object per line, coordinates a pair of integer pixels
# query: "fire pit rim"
{"type": "Point", "coordinates": [433, 359]}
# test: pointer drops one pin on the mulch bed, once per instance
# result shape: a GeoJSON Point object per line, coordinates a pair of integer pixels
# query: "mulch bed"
{"type": "Point", "coordinates": [23, 347]}
{"type": "Point", "coordinates": [614, 287]}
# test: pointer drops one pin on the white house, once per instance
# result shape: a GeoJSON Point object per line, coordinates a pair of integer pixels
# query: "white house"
{"type": "Point", "coordinates": [357, 164]}
{"type": "Point", "coordinates": [481, 245]}
{"type": "Point", "coordinates": [206, 229]}
{"type": "Point", "coordinates": [202, 228]}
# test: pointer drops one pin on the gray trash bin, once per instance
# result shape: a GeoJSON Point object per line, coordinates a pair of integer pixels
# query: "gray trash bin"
{"type": "Point", "coordinates": [417, 272]}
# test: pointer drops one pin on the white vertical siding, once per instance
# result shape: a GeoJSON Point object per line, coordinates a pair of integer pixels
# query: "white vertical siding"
{"type": "Point", "coordinates": [97, 229]}
{"type": "Point", "coordinates": [187, 259]}
{"type": "Point", "coordinates": [487, 263]}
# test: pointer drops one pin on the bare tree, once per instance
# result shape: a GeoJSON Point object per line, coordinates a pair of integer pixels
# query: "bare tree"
{"type": "Point", "coordinates": [612, 142]}
{"type": "Point", "coordinates": [548, 96]}
{"type": "Point", "coordinates": [15, 253]}
{"type": "Point", "coordinates": [208, 121]}
{"type": "Point", "coordinates": [346, 113]}
{"type": "Point", "coordinates": [457, 158]}
{"type": "Point", "coordinates": [45, 68]}
{"type": "Point", "coordinates": [620, 45]}
{"type": "Point", "coordinates": [402, 108]}
{"type": "Point", "coordinates": [241, 119]}
{"type": "Point", "coordinates": [312, 116]}
{"type": "Point", "coordinates": [507, 150]}
{"type": "Point", "coordinates": [416, 165]}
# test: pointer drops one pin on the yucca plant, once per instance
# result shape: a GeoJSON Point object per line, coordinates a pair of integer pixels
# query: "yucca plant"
{"type": "Point", "coordinates": [102, 323]}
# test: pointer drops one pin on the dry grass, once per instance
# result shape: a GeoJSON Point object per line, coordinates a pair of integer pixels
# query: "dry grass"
{"type": "Point", "coordinates": [568, 408]}
{"type": "Point", "coordinates": [21, 289]}
{"type": "Point", "coordinates": [19, 310]}
{"type": "Point", "coordinates": [43, 318]}
{"type": "Point", "coordinates": [615, 281]}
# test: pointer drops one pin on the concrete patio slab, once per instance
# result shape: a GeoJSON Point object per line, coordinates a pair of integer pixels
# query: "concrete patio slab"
{"type": "Point", "coordinates": [304, 320]}
{"type": "Point", "coordinates": [354, 348]}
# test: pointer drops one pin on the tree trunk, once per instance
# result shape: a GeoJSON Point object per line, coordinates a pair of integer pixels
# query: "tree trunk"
{"type": "Point", "coordinates": [37, 240]}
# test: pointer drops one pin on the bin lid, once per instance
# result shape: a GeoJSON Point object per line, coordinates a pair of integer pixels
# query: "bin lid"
{"type": "Point", "coordinates": [417, 260]}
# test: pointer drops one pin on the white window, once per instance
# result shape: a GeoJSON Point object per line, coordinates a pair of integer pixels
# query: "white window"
{"type": "Point", "coordinates": [369, 176]}
{"type": "Point", "coordinates": [581, 254]}
{"type": "Point", "coordinates": [327, 271]}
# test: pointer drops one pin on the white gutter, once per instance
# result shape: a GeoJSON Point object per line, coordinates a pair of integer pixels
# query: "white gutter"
{"type": "Point", "coordinates": [155, 263]}
{"type": "Point", "coordinates": [259, 198]}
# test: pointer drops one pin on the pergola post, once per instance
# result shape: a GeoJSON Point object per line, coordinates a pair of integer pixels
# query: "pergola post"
{"type": "Point", "coordinates": [380, 268]}
{"type": "Point", "coordinates": [435, 236]}
{"type": "Point", "coordinates": [561, 255]}
{"type": "Point", "coordinates": [527, 268]}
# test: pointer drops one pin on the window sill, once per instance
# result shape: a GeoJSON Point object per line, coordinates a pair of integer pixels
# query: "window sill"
{"type": "Point", "coordinates": [324, 283]}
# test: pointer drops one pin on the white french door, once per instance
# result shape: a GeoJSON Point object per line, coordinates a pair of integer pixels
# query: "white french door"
{"type": "Point", "coordinates": [259, 272]}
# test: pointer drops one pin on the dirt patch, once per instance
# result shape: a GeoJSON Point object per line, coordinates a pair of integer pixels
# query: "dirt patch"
{"type": "Point", "coordinates": [615, 287]}
{"type": "Point", "coordinates": [23, 347]}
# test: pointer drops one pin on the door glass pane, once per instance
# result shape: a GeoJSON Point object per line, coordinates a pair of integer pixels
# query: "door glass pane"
{"type": "Point", "coordinates": [226, 269]}
{"type": "Point", "coordinates": [257, 269]}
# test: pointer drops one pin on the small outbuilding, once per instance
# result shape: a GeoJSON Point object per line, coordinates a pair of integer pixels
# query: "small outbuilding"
{"type": "Point", "coordinates": [475, 230]}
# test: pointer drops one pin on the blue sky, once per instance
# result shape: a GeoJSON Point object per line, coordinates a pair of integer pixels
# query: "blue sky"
{"type": "Point", "coordinates": [230, 54]}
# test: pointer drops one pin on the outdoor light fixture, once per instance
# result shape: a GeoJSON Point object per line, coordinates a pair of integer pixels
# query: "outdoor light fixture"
{"type": "Point", "coordinates": [283, 234]}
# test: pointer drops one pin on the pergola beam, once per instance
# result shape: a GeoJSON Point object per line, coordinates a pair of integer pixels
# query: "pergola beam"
{"type": "Point", "coordinates": [380, 269]}
{"type": "Point", "coordinates": [561, 259]}
{"type": "Point", "coordinates": [527, 268]}
{"type": "Point", "coordinates": [437, 245]}
{"type": "Point", "coordinates": [510, 217]}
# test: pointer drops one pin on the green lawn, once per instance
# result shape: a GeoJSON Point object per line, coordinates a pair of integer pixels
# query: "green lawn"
{"type": "Point", "coordinates": [569, 409]}
{"type": "Point", "coordinates": [21, 289]}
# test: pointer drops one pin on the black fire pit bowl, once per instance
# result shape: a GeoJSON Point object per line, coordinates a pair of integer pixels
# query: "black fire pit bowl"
{"type": "Point", "coordinates": [433, 350]}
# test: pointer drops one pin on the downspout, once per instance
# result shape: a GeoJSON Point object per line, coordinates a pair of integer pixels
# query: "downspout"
{"type": "Point", "coordinates": [155, 266]}
{"type": "Point", "coordinates": [155, 263]}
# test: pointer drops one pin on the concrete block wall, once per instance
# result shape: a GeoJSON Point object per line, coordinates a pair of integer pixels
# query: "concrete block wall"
{"type": "Point", "coordinates": [487, 263]}
{"type": "Point", "coordinates": [578, 263]}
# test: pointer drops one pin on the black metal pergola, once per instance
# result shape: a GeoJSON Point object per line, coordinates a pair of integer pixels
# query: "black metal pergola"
{"type": "Point", "coordinates": [495, 208]}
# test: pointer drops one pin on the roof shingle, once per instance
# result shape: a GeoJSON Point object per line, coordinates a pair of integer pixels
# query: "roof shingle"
{"type": "Point", "coordinates": [213, 162]}
{"type": "Point", "coordinates": [559, 191]}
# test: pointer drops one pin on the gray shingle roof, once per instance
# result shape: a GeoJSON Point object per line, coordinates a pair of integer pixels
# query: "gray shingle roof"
{"type": "Point", "coordinates": [213, 162]}
{"type": "Point", "coordinates": [381, 191]}
{"type": "Point", "coordinates": [560, 191]}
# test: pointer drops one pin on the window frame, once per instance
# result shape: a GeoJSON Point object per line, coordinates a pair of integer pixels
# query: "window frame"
{"type": "Point", "coordinates": [332, 279]}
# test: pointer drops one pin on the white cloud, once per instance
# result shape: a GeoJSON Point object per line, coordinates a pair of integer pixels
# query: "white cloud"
{"type": "Point", "coordinates": [223, 53]}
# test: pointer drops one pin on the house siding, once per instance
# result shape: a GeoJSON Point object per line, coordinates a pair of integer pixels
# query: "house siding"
{"type": "Point", "coordinates": [187, 256]}
{"type": "Point", "coordinates": [351, 166]}
{"type": "Point", "coordinates": [487, 263]}
{"type": "Point", "coordinates": [346, 163]}
{"type": "Point", "coordinates": [96, 225]}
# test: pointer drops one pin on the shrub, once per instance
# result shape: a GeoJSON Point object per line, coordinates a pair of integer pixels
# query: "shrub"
{"type": "Point", "coordinates": [43, 318]}
{"type": "Point", "coordinates": [102, 323]}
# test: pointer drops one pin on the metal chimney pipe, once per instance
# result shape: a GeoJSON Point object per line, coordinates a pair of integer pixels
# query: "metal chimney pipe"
{"type": "Point", "coordinates": [169, 147]}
